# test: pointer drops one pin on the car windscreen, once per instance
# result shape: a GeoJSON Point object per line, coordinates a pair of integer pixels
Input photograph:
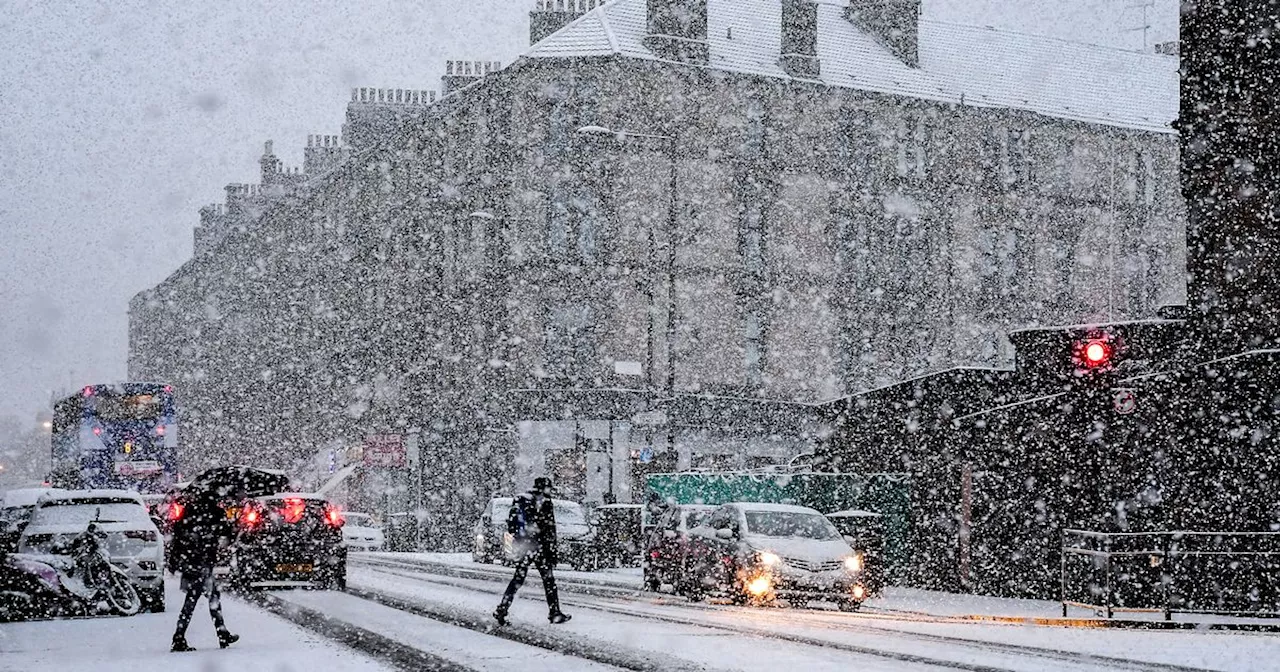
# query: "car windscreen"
{"type": "Point", "coordinates": [78, 512]}
{"type": "Point", "coordinates": [568, 514]}
{"type": "Point", "coordinates": [790, 524]}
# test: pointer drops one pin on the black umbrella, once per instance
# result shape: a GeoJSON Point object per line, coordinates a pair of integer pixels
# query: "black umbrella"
{"type": "Point", "coordinates": [238, 482]}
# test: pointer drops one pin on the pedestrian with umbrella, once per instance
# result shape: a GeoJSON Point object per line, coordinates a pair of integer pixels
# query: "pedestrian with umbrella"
{"type": "Point", "coordinates": [198, 533]}
{"type": "Point", "coordinates": [532, 525]}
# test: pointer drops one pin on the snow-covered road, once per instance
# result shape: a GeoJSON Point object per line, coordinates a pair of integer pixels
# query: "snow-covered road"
{"type": "Point", "coordinates": [613, 613]}
{"type": "Point", "coordinates": [141, 644]}
{"type": "Point", "coordinates": [417, 612]}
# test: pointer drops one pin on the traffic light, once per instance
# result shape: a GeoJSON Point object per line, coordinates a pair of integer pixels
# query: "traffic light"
{"type": "Point", "coordinates": [1095, 353]}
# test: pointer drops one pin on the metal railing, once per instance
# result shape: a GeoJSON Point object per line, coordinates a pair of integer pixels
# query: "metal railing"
{"type": "Point", "coordinates": [1231, 573]}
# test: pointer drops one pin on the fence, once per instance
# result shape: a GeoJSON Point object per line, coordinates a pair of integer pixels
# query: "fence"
{"type": "Point", "coordinates": [1235, 573]}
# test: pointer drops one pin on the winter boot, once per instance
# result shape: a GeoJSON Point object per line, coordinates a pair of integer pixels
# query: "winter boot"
{"type": "Point", "coordinates": [559, 617]}
{"type": "Point", "coordinates": [226, 638]}
{"type": "Point", "coordinates": [180, 645]}
{"type": "Point", "coordinates": [500, 616]}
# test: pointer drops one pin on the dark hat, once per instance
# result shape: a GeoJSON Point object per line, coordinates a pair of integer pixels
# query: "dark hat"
{"type": "Point", "coordinates": [542, 484]}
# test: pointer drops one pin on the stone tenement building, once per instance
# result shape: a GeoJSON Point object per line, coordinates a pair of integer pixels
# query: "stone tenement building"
{"type": "Point", "coordinates": [664, 235]}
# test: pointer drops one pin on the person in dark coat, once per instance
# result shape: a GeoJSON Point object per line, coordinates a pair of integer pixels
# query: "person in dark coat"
{"type": "Point", "coordinates": [197, 535]}
{"type": "Point", "coordinates": [532, 525]}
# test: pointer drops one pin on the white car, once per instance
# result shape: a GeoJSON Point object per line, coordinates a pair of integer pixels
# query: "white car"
{"type": "Point", "coordinates": [757, 552]}
{"type": "Point", "coordinates": [133, 542]}
{"type": "Point", "coordinates": [359, 533]}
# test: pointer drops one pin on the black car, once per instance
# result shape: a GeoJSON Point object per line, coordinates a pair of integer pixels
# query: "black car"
{"type": "Point", "coordinates": [619, 534]}
{"type": "Point", "coordinates": [286, 539]}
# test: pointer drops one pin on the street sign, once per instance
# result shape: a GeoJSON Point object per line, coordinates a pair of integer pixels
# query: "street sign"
{"type": "Point", "coordinates": [1125, 401]}
{"type": "Point", "coordinates": [646, 455]}
{"type": "Point", "coordinates": [384, 450]}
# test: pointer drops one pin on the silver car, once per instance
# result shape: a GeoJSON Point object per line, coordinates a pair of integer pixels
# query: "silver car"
{"type": "Point", "coordinates": [133, 542]}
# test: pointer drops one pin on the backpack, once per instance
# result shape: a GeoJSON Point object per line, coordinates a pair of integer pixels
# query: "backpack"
{"type": "Point", "coordinates": [521, 519]}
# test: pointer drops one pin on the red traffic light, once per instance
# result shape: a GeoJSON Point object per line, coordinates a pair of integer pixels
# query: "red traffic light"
{"type": "Point", "coordinates": [1097, 353]}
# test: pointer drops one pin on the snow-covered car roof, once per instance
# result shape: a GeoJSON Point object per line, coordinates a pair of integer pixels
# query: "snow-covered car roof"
{"type": "Point", "coordinates": [781, 508]}
{"type": "Point", "coordinates": [854, 513]}
{"type": "Point", "coordinates": [294, 495]}
{"type": "Point", "coordinates": [90, 495]}
{"type": "Point", "coordinates": [23, 497]}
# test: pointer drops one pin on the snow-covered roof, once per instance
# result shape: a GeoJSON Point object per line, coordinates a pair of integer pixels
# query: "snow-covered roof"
{"type": "Point", "coordinates": [89, 495]}
{"type": "Point", "coordinates": [959, 64]}
{"type": "Point", "coordinates": [775, 508]}
{"type": "Point", "coordinates": [854, 513]}
{"type": "Point", "coordinates": [294, 495]}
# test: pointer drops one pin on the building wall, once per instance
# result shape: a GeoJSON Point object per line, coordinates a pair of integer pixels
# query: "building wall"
{"type": "Point", "coordinates": [894, 237]}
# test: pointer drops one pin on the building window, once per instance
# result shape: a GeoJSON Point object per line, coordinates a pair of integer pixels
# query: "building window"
{"type": "Point", "coordinates": [754, 340]}
{"type": "Point", "coordinates": [753, 237]}
{"type": "Point", "coordinates": [857, 144]}
{"type": "Point", "coordinates": [570, 347]}
{"type": "Point", "coordinates": [753, 142]}
{"type": "Point", "coordinates": [911, 141]}
{"type": "Point", "coordinates": [1146, 176]}
{"type": "Point", "coordinates": [1015, 157]}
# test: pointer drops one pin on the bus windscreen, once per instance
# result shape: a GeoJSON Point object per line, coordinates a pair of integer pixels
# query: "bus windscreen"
{"type": "Point", "coordinates": [128, 407]}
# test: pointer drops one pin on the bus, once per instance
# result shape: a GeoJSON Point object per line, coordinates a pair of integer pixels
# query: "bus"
{"type": "Point", "coordinates": [123, 435]}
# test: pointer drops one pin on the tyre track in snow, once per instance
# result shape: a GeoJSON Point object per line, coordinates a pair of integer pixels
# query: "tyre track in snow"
{"type": "Point", "coordinates": [642, 606]}
{"type": "Point", "coordinates": [365, 641]}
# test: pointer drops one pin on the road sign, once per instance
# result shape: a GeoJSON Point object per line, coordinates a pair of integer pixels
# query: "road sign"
{"type": "Point", "coordinates": [646, 455]}
{"type": "Point", "coordinates": [1125, 401]}
{"type": "Point", "coordinates": [384, 450]}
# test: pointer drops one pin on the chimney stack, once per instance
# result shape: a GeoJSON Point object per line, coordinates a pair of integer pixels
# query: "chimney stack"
{"type": "Point", "coordinates": [677, 30]}
{"type": "Point", "coordinates": [800, 39]}
{"type": "Point", "coordinates": [549, 16]}
{"type": "Point", "coordinates": [896, 23]}
{"type": "Point", "coordinates": [458, 74]}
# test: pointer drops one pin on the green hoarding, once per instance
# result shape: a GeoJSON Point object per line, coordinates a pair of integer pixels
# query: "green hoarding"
{"type": "Point", "coordinates": [886, 494]}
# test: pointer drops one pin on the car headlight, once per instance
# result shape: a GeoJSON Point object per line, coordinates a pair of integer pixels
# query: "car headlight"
{"type": "Point", "coordinates": [769, 559]}
{"type": "Point", "coordinates": [853, 563]}
{"type": "Point", "coordinates": [759, 585]}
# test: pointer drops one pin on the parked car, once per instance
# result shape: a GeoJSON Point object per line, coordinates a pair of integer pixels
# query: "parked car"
{"type": "Point", "coordinates": [289, 539]}
{"type": "Point", "coordinates": [756, 553]}
{"type": "Point", "coordinates": [619, 534]}
{"type": "Point", "coordinates": [666, 541]}
{"type": "Point", "coordinates": [15, 510]}
{"type": "Point", "coordinates": [361, 533]}
{"type": "Point", "coordinates": [864, 532]}
{"type": "Point", "coordinates": [492, 543]}
{"type": "Point", "coordinates": [132, 540]}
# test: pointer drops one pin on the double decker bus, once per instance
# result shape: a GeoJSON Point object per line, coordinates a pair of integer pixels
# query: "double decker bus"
{"type": "Point", "coordinates": [123, 435]}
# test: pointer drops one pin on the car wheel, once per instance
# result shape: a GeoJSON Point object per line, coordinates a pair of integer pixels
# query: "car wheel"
{"type": "Point", "coordinates": [850, 605]}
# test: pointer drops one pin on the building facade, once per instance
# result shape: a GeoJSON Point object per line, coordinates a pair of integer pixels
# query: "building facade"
{"type": "Point", "coordinates": [660, 239]}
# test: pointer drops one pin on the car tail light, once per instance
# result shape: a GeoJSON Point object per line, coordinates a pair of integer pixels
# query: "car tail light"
{"type": "Point", "coordinates": [250, 517]}
{"type": "Point", "coordinates": [145, 535]}
{"type": "Point", "coordinates": [333, 516]}
{"type": "Point", "coordinates": [293, 510]}
{"type": "Point", "coordinates": [176, 509]}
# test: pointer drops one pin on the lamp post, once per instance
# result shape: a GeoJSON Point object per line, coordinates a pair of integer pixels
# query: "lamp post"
{"type": "Point", "coordinates": [670, 142]}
